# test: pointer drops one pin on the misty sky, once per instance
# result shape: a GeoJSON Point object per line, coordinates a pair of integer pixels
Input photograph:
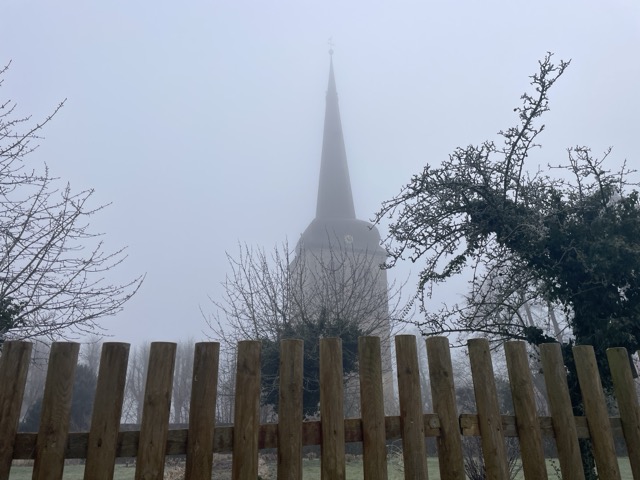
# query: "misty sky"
{"type": "Point", "coordinates": [201, 122]}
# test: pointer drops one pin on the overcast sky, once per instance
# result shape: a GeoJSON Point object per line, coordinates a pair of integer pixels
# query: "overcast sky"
{"type": "Point", "coordinates": [201, 122]}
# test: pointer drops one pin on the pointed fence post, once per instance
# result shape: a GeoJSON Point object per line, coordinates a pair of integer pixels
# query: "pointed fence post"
{"type": "Point", "coordinates": [443, 394]}
{"type": "Point", "coordinates": [14, 366]}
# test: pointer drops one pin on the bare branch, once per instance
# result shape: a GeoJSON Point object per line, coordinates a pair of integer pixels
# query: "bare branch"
{"type": "Point", "coordinates": [52, 266]}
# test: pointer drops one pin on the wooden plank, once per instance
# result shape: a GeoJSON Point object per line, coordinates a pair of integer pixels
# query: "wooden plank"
{"type": "Point", "coordinates": [246, 412]}
{"type": "Point", "coordinates": [411, 418]}
{"type": "Point", "coordinates": [290, 410]}
{"type": "Point", "coordinates": [524, 405]}
{"type": "Point", "coordinates": [56, 405]}
{"type": "Point", "coordinates": [595, 408]}
{"type": "Point", "coordinates": [202, 411]}
{"type": "Point", "coordinates": [25, 443]}
{"type": "Point", "coordinates": [469, 426]}
{"type": "Point", "coordinates": [443, 394]}
{"type": "Point", "coordinates": [14, 366]}
{"type": "Point", "coordinates": [155, 412]}
{"type": "Point", "coordinates": [484, 388]}
{"type": "Point", "coordinates": [372, 409]}
{"type": "Point", "coordinates": [625, 392]}
{"type": "Point", "coordinates": [312, 435]}
{"type": "Point", "coordinates": [332, 463]}
{"type": "Point", "coordinates": [107, 409]}
{"type": "Point", "coordinates": [564, 424]}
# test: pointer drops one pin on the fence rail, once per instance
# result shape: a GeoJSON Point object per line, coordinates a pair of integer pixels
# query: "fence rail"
{"type": "Point", "coordinates": [104, 443]}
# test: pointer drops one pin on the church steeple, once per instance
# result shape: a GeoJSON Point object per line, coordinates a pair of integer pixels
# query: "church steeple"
{"type": "Point", "coordinates": [335, 199]}
{"type": "Point", "coordinates": [336, 244]}
{"type": "Point", "coordinates": [335, 224]}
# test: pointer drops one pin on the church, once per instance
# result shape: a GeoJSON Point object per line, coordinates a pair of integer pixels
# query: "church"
{"type": "Point", "coordinates": [341, 255]}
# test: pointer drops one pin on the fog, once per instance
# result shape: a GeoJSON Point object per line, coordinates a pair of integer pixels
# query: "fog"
{"type": "Point", "coordinates": [201, 122]}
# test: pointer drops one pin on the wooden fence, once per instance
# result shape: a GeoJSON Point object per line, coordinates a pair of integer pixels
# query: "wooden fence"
{"type": "Point", "coordinates": [155, 440]}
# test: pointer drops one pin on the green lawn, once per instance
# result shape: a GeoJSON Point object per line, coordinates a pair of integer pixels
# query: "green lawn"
{"type": "Point", "coordinates": [311, 471]}
{"type": "Point", "coordinates": [72, 472]}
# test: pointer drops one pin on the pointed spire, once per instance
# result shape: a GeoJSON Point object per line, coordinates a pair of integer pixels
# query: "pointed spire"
{"type": "Point", "coordinates": [335, 199]}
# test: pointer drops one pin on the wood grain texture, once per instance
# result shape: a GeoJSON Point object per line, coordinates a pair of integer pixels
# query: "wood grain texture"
{"type": "Point", "coordinates": [372, 409]}
{"type": "Point", "coordinates": [14, 366]}
{"type": "Point", "coordinates": [524, 405]}
{"type": "Point", "coordinates": [411, 417]}
{"type": "Point", "coordinates": [484, 388]}
{"type": "Point", "coordinates": [332, 462]}
{"type": "Point", "coordinates": [470, 427]}
{"type": "Point", "coordinates": [290, 410]}
{"type": "Point", "coordinates": [107, 409]}
{"type": "Point", "coordinates": [56, 405]}
{"type": "Point", "coordinates": [104, 442]}
{"type": "Point", "coordinates": [595, 408]}
{"type": "Point", "coordinates": [443, 394]}
{"type": "Point", "coordinates": [625, 393]}
{"type": "Point", "coordinates": [202, 411]}
{"type": "Point", "coordinates": [564, 424]}
{"type": "Point", "coordinates": [25, 443]}
{"type": "Point", "coordinates": [155, 412]}
{"type": "Point", "coordinates": [246, 412]}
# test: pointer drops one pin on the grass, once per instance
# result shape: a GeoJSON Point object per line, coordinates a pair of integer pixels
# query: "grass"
{"type": "Point", "coordinates": [72, 472]}
{"type": "Point", "coordinates": [311, 471]}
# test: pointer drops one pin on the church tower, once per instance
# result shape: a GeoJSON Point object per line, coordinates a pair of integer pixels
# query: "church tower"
{"type": "Point", "coordinates": [349, 248]}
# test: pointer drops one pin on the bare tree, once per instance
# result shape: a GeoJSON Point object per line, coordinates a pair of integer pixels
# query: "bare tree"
{"type": "Point", "coordinates": [568, 240]}
{"type": "Point", "coordinates": [36, 377]}
{"type": "Point", "coordinates": [226, 390]}
{"type": "Point", "coordinates": [267, 292]}
{"type": "Point", "coordinates": [183, 373]}
{"type": "Point", "coordinates": [504, 301]}
{"type": "Point", "coordinates": [91, 352]}
{"type": "Point", "coordinates": [135, 384]}
{"type": "Point", "coordinates": [337, 292]}
{"type": "Point", "coordinates": [52, 266]}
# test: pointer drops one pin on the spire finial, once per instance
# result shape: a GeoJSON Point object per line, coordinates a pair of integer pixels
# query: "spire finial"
{"type": "Point", "coordinates": [331, 44]}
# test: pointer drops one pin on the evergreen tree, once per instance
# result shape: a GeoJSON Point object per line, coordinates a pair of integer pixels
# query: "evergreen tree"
{"type": "Point", "coordinates": [571, 241]}
{"type": "Point", "coordinates": [9, 316]}
{"type": "Point", "coordinates": [310, 333]}
{"type": "Point", "coordinates": [84, 389]}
